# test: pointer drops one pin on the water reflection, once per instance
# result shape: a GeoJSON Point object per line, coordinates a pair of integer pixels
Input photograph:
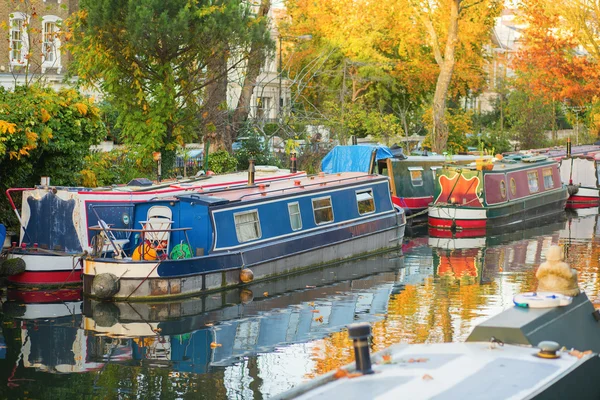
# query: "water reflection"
{"type": "Point", "coordinates": [265, 338]}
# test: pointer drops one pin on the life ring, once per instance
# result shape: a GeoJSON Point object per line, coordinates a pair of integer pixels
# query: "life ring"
{"type": "Point", "coordinates": [144, 251]}
{"type": "Point", "coordinates": [541, 300]}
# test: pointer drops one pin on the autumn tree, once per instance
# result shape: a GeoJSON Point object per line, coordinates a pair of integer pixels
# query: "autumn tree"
{"type": "Point", "coordinates": [150, 59]}
{"type": "Point", "coordinates": [382, 40]}
{"type": "Point", "coordinates": [551, 63]}
{"type": "Point", "coordinates": [456, 29]}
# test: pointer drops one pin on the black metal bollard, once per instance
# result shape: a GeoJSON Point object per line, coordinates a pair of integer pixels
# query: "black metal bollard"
{"type": "Point", "coordinates": [360, 333]}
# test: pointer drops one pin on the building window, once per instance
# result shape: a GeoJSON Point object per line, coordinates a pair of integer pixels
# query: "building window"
{"type": "Point", "coordinates": [50, 42]}
{"type": "Point", "coordinates": [263, 107]}
{"type": "Point", "coordinates": [323, 210]}
{"type": "Point", "coordinates": [416, 175]}
{"type": "Point", "coordinates": [503, 189]}
{"type": "Point", "coordinates": [18, 38]}
{"type": "Point", "coordinates": [548, 179]}
{"type": "Point", "coordinates": [513, 187]}
{"type": "Point", "coordinates": [247, 226]}
{"type": "Point", "coordinates": [532, 179]}
{"type": "Point", "coordinates": [365, 202]}
{"type": "Point", "coordinates": [295, 217]}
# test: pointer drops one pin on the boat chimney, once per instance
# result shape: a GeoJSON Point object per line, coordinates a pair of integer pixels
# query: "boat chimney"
{"type": "Point", "coordinates": [293, 168]}
{"type": "Point", "coordinates": [568, 147]}
{"type": "Point", "coordinates": [354, 141]}
{"type": "Point", "coordinates": [45, 181]}
{"type": "Point", "coordinates": [360, 333]}
{"type": "Point", "coordinates": [251, 172]}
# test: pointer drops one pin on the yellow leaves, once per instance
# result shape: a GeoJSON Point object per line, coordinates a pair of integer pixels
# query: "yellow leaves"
{"type": "Point", "coordinates": [45, 115]}
{"type": "Point", "coordinates": [6, 126]}
{"type": "Point", "coordinates": [82, 108]}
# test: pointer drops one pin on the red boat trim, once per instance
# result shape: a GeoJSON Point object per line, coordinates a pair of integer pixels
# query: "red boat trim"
{"type": "Point", "coordinates": [46, 277]}
{"type": "Point", "coordinates": [443, 223]}
{"type": "Point", "coordinates": [43, 296]}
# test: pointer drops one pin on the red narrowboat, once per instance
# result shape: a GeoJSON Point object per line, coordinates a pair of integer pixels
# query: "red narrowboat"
{"type": "Point", "coordinates": [474, 200]}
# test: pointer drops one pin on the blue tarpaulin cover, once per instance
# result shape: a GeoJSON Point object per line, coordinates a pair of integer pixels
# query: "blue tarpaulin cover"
{"type": "Point", "coordinates": [352, 158]}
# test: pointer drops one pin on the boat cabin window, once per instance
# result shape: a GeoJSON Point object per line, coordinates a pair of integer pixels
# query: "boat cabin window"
{"type": "Point", "coordinates": [247, 226]}
{"type": "Point", "coordinates": [503, 189]}
{"type": "Point", "coordinates": [548, 179]}
{"type": "Point", "coordinates": [364, 199]}
{"type": "Point", "coordinates": [532, 179]}
{"type": "Point", "coordinates": [513, 187]}
{"type": "Point", "coordinates": [295, 217]}
{"type": "Point", "coordinates": [323, 210]}
{"type": "Point", "coordinates": [416, 175]}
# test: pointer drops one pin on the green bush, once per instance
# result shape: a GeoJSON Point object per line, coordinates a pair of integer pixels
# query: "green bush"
{"type": "Point", "coordinates": [254, 148]}
{"type": "Point", "coordinates": [111, 168]}
{"type": "Point", "coordinates": [221, 161]}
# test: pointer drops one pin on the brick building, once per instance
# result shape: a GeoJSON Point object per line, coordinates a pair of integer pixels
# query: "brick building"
{"type": "Point", "coordinates": [32, 49]}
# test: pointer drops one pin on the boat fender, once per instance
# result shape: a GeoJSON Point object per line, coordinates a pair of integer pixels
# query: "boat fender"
{"type": "Point", "coordinates": [541, 300]}
{"type": "Point", "coordinates": [572, 189]}
{"type": "Point", "coordinates": [105, 286]}
{"type": "Point", "coordinates": [246, 275]}
{"type": "Point", "coordinates": [12, 266]}
{"type": "Point", "coordinates": [246, 296]}
{"type": "Point", "coordinates": [106, 314]}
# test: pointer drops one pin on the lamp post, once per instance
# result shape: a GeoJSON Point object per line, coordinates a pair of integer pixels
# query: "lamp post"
{"type": "Point", "coordinates": [281, 38]}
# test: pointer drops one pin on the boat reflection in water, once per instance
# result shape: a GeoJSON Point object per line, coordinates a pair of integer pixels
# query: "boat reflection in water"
{"type": "Point", "coordinates": [216, 330]}
{"type": "Point", "coordinates": [262, 339]}
{"type": "Point", "coordinates": [196, 334]}
{"type": "Point", "coordinates": [43, 334]}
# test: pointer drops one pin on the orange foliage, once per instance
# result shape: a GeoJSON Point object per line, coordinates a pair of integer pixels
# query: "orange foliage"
{"type": "Point", "coordinates": [550, 63]}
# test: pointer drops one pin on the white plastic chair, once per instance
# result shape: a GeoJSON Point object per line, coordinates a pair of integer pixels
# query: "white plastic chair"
{"type": "Point", "coordinates": [159, 219]}
{"type": "Point", "coordinates": [108, 236]}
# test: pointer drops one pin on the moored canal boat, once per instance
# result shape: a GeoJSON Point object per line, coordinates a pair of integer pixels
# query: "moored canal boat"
{"type": "Point", "coordinates": [412, 178]}
{"type": "Point", "coordinates": [195, 243]}
{"type": "Point", "coordinates": [498, 195]}
{"type": "Point", "coordinates": [55, 221]}
{"type": "Point", "coordinates": [580, 174]}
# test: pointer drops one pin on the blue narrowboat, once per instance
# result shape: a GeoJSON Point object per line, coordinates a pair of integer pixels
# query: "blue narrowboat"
{"type": "Point", "coordinates": [194, 243]}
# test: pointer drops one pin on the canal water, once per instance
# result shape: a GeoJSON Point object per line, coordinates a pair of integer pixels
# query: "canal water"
{"type": "Point", "coordinates": [266, 338]}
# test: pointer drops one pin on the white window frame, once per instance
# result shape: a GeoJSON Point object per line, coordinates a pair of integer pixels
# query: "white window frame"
{"type": "Point", "coordinates": [56, 63]}
{"type": "Point", "coordinates": [299, 213]}
{"type": "Point", "coordinates": [256, 221]}
{"type": "Point", "coordinates": [551, 175]}
{"type": "Point", "coordinates": [537, 181]}
{"type": "Point", "coordinates": [372, 199]}
{"type": "Point", "coordinates": [17, 15]}
{"type": "Point", "coordinates": [434, 171]}
{"type": "Point", "coordinates": [321, 208]}
{"type": "Point", "coordinates": [412, 181]}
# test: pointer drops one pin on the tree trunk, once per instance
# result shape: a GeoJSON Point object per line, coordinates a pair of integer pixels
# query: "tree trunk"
{"type": "Point", "coordinates": [446, 63]}
{"type": "Point", "coordinates": [256, 58]}
{"type": "Point", "coordinates": [214, 111]}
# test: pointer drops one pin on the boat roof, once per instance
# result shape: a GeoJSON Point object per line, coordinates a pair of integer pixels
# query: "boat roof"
{"type": "Point", "coordinates": [438, 158]}
{"type": "Point", "coordinates": [507, 164]}
{"type": "Point", "coordinates": [280, 187]}
{"type": "Point", "coordinates": [447, 371]}
{"type": "Point", "coordinates": [266, 173]}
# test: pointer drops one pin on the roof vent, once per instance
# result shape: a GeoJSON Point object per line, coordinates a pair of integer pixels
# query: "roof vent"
{"type": "Point", "coordinates": [140, 182]}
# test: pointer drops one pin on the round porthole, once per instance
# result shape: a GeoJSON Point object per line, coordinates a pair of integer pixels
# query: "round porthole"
{"type": "Point", "coordinates": [513, 187]}
{"type": "Point", "coordinates": [125, 219]}
{"type": "Point", "coordinates": [503, 189]}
